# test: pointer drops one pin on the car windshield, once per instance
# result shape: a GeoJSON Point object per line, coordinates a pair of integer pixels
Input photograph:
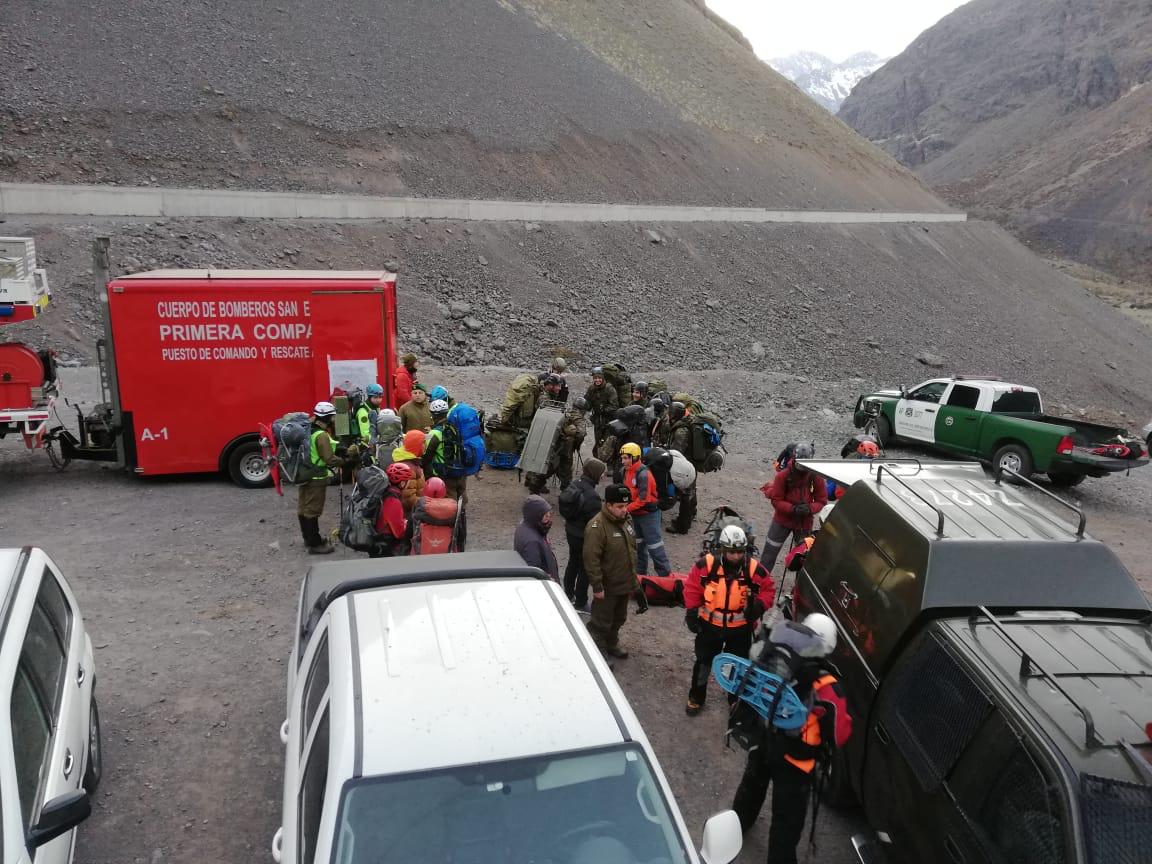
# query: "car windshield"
{"type": "Point", "coordinates": [598, 807]}
{"type": "Point", "coordinates": [1016, 402]}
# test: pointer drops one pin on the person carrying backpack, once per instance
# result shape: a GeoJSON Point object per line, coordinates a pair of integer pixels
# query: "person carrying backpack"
{"type": "Point", "coordinates": [790, 760]}
{"type": "Point", "coordinates": [434, 520]}
{"type": "Point", "coordinates": [433, 459]}
{"type": "Point", "coordinates": [324, 458]}
{"type": "Point", "coordinates": [392, 528]}
{"type": "Point", "coordinates": [578, 503]}
{"type": "Point", "coordinates": [645, 512]}
{"type": "Point", "coordinates": [724, 597]}
{"type": "Point", "coordinates": [602, 401]}
{"type": "Point", "coordinates": [796, 495]}
{"type": "Point", "coordinates": [364, 414]}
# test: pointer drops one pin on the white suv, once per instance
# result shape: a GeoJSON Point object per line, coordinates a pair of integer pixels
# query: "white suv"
{"type": "Point", "coordinates": [50, 756]}
{"type": "Point", "coordinates": [451, 708]}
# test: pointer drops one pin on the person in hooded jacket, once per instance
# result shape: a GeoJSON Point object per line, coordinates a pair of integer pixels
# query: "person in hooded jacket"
{"type": "Point", "coordinates": [403, 381]}
{"type": "Point", "coordinates": [531, 538]}
{"type": "Point", "coordinates": [579, 502]}
{"type": "Point", "coordinates": [796, 495]}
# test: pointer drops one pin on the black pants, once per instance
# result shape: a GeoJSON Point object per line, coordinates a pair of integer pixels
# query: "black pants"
{"type": "Point", "coordinates": [686, 515]}
{"type": "Point", "coordinates": [790, 795]}
{"type": "Point", "coordinates": [575, 577]}
{"type": "Point", "coordinates": [710, 642]}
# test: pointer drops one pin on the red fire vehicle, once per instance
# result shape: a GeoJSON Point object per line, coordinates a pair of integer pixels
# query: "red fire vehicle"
{"type": "Point", "coordinates": [27, 377]}
{"type": "Point", "coordinates": [193, 362]}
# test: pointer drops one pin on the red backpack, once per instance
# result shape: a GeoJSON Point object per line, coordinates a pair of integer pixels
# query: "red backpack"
{"type": "Point", "coordinates": [434, 525]}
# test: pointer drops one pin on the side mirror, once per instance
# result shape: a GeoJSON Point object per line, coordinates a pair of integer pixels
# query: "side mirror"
{"type": "Point", "coordinates": [903, 392]}
{"type": "Point", "coordinates": [58, 816]}
{"type": "Point", "coordinates": [723, 838]}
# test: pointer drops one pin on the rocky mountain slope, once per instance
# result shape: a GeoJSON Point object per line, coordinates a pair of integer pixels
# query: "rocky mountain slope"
{"type": "Point", "coordinates": [825, 80]}
{"type": "Point", "coordinates": [644, 100]}
{"type": "Point", "coordinates": [1038, 112]}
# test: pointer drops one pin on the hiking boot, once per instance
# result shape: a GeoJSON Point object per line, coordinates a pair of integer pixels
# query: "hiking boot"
{"type": "Point", "coordinates": [617, 652]}
{"type": "Point", "coordinates": [693, 708]}
{"type": "Point", "coordinates": [322, 549]}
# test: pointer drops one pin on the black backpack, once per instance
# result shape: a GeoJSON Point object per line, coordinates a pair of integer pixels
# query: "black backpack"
{"type": "Point", "coordinates": [745, 726]}
{"type": "Point", "coordinates": [569, 502]}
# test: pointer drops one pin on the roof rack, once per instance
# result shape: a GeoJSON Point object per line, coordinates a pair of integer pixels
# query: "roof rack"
{"type": "Point", "coordinates": [939, 513]}
{"type": "Point", "coordinates": [1000, 472]}
{"type": "Point", "coordinates": [1027, 664]}
{"type": "Point", "coordinates": [977, 378]}
{"type": "Point", "coordinates": [873, 464]}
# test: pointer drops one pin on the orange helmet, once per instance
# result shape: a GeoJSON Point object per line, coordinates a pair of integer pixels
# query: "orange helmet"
{"type": "Point", "coordinates": [868, 449]}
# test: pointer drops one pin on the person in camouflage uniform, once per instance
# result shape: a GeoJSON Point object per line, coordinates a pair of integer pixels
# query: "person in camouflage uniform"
{"type": "Point", "coordinates": [677, 429]}
{"type": "Point", "coordinates": [602, 402]}
{"type": "Point", "coordinates": [569, 440]}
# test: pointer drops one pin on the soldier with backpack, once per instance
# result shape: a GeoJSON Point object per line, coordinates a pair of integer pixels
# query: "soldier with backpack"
{"type": "Point", "coordinates": [725, 594]}
{"type": "Point", "coordinates": [323, 458]}
{"type": "Point", "coordinates": [578, 503]}
{"type": "Point", "coordinates": [789, 761]}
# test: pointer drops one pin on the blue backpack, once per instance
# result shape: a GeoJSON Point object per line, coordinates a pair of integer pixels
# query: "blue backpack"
{"type": "Point", "coordinates": [463, 443]}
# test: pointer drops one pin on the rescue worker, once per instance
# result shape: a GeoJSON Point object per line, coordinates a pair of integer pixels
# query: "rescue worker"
{"type": "Point", "coordinates": [366, 413]}
{"type": "Point", "coordinates": [403, 380]}
{"type": "Point", "coordinates": [410, 450]}
{"type": "Point", "coordinates": [531, 538]}
{"type": "Point", "coordinates": [324, 458]}
{"type": "Point", "coordinates": [440, 392]}
{"type": "Point", "coordinates": [789, 760]}
{"type": "Point", "coordinates": [392, 527]}
{"type": "Point", "coordinates": [389, 431]}
{"type": "Point", "coordinates": [433, 461]}
{"type": "Point", "coordinates": [796, 495]}
{"type": "Point", "coordinates": [579, 502]}
{"type": "Point", "coordinates": [435, 520]}
{"type": "Point", "coordinates": [610, 561]}
{"type": "Point", "coordinates": [658, 423]}
{"type": "Point", "coordinates": [602, 402]}
{"type": "Point", "coordinates": [414, 413]}
{"type": "Point", "coordinates": [559, 368]}
{"type": "Point", "coordinates": [679, 432]}
{"type": "Point", "coordinates": [640, 393]}
{"type": "Point", "coordinates": [724, 597]}
{"type": "Point", "coordinates": [645, 512]}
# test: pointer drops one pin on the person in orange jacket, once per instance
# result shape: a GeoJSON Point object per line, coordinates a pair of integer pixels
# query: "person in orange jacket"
{"type": "Point", "coordinates": [724, 597]}
{"type": "Point", "coordinates": [796, 495]}
{"type": "Point", "coordinates": [403, 380]}
{"type": "Point", "coordinates": [644, 512]}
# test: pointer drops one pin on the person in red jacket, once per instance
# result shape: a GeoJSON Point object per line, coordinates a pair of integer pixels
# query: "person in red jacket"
{"type": "Point", "coordinates": [392, 537]}
{"type": "Point", "coordinates": [796, 495]}
{"type": "Point", "coordinates": [403, 381]}
{"type": "Point", "coordinates": [724, 596]}
{"type": "Point", "coordinates": [644, 512]}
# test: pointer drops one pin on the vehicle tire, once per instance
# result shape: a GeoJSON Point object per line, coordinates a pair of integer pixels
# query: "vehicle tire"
{"type": "Point", "coordinates": [1066, 481]}
{"type": "Point", "coordinates": [880, 429]}
{"type": "Point", "coordinates": [1014, 456]}
{"type": "Point", "coordinates": [247, 467]}
{"type": "Point", "coordinates": [838, 792]}
{"type": "Point", "coordinates": [95, 768]}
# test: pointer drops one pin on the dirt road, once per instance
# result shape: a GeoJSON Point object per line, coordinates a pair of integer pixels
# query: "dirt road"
{"type": "Point", "coordinates": [188, 587]}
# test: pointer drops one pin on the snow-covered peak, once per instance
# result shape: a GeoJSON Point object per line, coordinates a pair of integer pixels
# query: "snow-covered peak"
{"type": "Point", "coordinates": [825, 80]}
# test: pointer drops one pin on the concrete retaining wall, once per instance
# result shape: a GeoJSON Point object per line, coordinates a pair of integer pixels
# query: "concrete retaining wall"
{"type": "Point", "coordinates": [42, 199]}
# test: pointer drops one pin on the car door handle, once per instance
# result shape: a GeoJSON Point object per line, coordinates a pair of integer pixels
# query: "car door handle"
{"type": "Point", "coordinates": [79, 675]}
{"type": "Point", "coordinates": [929, 410]}
{"type": "Point", "coordinates": [69, 762]}
{"type": "Point", "coordinates": [953, 850]}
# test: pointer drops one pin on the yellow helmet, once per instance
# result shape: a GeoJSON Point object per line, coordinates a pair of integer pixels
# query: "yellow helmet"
{"type": "Point", "coordinates": [630, 449]}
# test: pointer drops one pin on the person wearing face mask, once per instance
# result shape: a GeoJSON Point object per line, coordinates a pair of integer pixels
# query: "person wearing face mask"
{"type": "Point", "coordinates": [531, 538]}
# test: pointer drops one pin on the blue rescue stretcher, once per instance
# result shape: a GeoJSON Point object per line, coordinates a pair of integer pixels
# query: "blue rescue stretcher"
{"type": "Point", "coordinates": [760, 689]}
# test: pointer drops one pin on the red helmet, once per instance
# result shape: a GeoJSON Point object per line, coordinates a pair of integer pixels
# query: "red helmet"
{"type": "Point", "coordinates": [435, 488]}
{"type": "Point", "coordinates": [868, 449]}
{"type": "Point", "coordinates": [399, 473]}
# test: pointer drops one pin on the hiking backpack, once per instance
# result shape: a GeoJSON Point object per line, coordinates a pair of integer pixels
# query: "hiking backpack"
{"type": "Point", "coordinates": [569, 501]}
{"type": "Point", "coordinates": [293, 434]}
{"type": "Point", "coordinates": [434, 526]}
{"type": "Point", "coordinates": [619, 377]}
{"type": "Point", "coordinates": [463, 442]}
{"type": "Point", "coordinates": [659, 462]}
{"type": "Point", "coordinates": [358, 519]}
{"type": "Point", "coordinates": [705, 442]}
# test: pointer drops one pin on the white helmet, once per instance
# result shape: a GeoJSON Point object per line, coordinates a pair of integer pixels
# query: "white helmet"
{"type": "Point", "coordinates": [824, 628]}
{"type": "Point", "coordinates": [385, 412]}
{"type": "Point", "coordinates": [438, 406]}
{"type": "Point", "coordinates": [734, 538]}
{"type": "Point", "coordinates": [324, 409]}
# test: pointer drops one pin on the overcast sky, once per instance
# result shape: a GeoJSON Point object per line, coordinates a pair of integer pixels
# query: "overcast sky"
{"type": "Point", "coordinates": [835, 28]}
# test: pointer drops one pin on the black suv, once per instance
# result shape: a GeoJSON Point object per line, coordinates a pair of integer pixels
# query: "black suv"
{"type": "Point", "coordinates": [999, 666]}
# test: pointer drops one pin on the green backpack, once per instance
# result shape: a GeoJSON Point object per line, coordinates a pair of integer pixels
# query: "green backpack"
{"type": "Point", "coordinates": [619, 377]}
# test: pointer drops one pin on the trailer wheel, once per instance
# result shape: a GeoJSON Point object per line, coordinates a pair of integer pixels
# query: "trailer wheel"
{"type": "Point", "coordinates": [1014, 457]}
{"type": "Point", "coordinates": [1066, 480]}
{"type": "Point", "coordinates": [247, 466]}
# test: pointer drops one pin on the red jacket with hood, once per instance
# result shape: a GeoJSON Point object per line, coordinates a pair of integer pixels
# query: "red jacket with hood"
{"type": "Point", "coordinates": [791, 487]}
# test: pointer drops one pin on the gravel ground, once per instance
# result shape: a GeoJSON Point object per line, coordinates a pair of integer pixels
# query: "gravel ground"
{"type": "Point", "coordinates": [188, 588]}
{"type": "Point", "coordinates": [458, 98]}
{"type": "Point", "coordinates": [829, 302]}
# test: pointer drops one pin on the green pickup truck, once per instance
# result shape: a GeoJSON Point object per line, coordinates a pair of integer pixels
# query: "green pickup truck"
{"type": "Point", "coordinates": [1000, 423]}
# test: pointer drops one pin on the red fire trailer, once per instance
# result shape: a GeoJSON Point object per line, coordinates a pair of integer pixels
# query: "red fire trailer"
{"type": "Point", "coordinates": [195, 360]}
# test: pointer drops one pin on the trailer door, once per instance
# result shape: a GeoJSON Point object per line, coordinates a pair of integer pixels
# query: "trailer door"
{"type": "Point", "coordinates": [348, 341]}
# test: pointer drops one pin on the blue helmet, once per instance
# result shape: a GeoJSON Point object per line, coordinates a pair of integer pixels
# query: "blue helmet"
{"type": "Point", "coordinates": [374, 390]}
{"type": "Point", "coordinates": [438, 392]}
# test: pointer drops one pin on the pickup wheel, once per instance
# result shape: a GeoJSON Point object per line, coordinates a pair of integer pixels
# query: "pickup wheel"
{"type": "Point", "coordinates": [247, 466]}
{"type": "Point", "coordinates": [94, 770]}
{"type": "Point", "coordinates": [880, 429]}
{"type": "Point", "coordinates": [1015, 457]}
{"type": "Point", "coordinates": [1066, 481]}
{"type": "Point", "coordinates": [837, 791]}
